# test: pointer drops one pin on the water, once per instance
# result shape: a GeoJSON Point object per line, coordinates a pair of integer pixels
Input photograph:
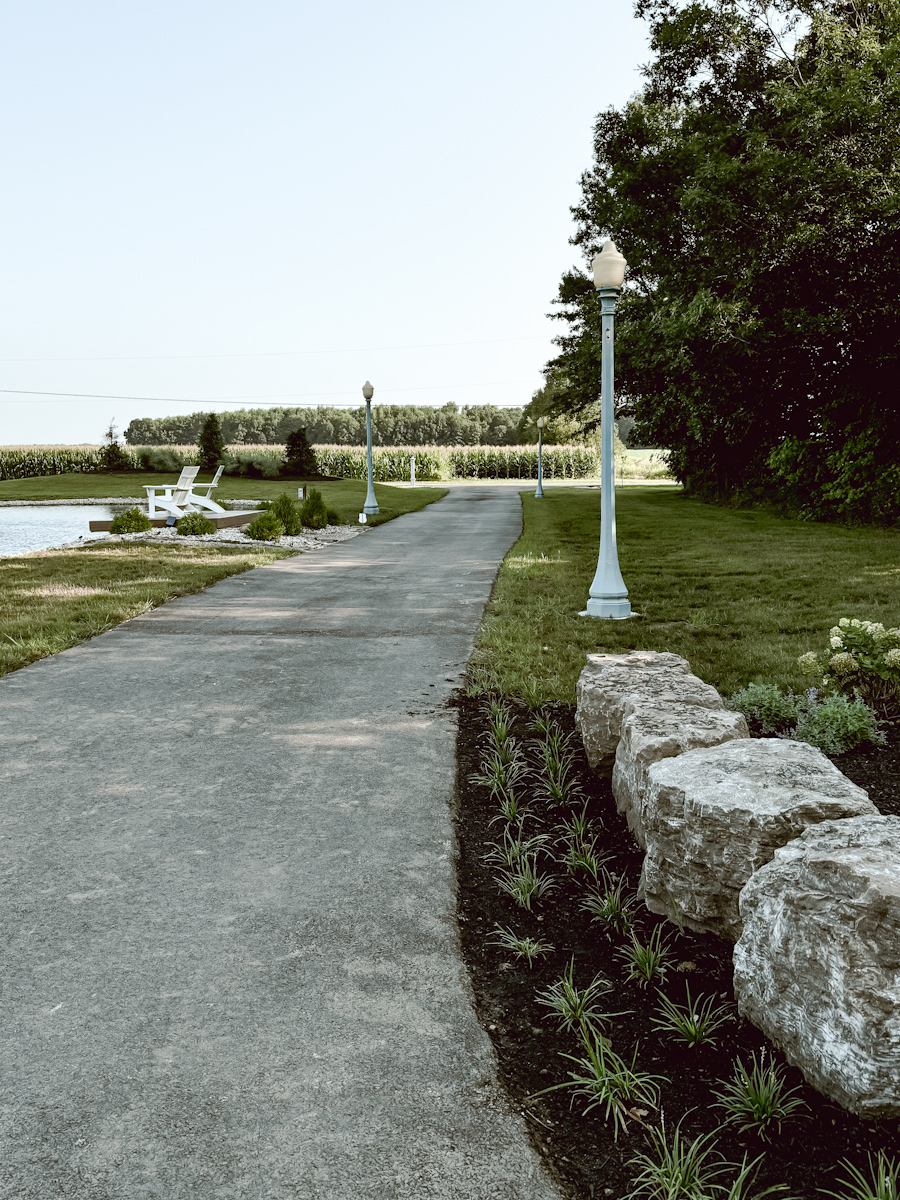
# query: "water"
{"type": "Point", "coordinates": [45, 525]}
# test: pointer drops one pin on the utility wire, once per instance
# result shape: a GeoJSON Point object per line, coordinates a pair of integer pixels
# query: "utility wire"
{"type": "Point", "coordinates": [68, 396]}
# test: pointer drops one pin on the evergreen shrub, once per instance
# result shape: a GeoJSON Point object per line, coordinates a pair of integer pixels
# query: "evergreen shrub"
{"type": "Point", "coordinates": [193, 524]}
{"type": "Point", "coordinates": [266, 528]}
{"type": "Point", "coordinates": [314, 514]}
{"type": "Point", "coordinates": [133, 520]}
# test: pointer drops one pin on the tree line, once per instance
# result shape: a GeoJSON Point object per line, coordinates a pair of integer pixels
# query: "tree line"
{"type": "Point", "coordinates": [753, 184]}
{"type": "Point", "coordinates": [392, 425]}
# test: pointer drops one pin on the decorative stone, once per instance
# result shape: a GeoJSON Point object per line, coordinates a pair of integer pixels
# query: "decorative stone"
{"type": "Point", "coordinates": [652, 732]}
{"type": "Point", "coordinates": [817, 967]}
{"type": "Point", "coordinates": [713, 817]}
{"type": "Point", "coordinates": [609, 681]}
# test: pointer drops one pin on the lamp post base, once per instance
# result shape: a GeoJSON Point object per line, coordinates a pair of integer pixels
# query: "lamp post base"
{"type": "Point", "coordinates": [609, 609]}
{"type": "Point", "coordinates": [371, 510]}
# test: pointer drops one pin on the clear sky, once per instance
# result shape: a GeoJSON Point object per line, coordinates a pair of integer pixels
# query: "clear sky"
{"type": "Point", "coordinates": [269, 202]}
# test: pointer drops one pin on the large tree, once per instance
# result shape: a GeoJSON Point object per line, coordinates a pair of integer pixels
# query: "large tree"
{"type": "Point", "coordinates": [753, 187]}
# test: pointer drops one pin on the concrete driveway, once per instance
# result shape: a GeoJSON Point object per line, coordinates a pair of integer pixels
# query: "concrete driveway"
{"type": "Point", "coordinates": [230, 956]}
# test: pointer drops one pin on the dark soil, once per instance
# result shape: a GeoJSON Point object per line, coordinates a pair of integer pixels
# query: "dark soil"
{"type": "Point", "coordinates": [581, 1150]}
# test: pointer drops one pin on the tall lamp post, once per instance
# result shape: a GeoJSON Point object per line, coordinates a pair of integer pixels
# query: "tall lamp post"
{"type": "Point", "coordinates": [539, 494]}
{"type": "Point", "coordinates": [371, 505]}
{"type": "Point", "coordinates": [608, 595]}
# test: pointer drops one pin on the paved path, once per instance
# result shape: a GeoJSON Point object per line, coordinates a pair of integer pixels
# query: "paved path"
{"type": "Point", "coordinates": [230, 958]}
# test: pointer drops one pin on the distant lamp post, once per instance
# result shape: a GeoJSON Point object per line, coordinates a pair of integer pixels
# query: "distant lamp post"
{"type": "Point", "coordinates": [539, 494]}
{"type": "Point", "coordinates": [608, 595]}
{"type": "Point", "coordinates": [371, 505]}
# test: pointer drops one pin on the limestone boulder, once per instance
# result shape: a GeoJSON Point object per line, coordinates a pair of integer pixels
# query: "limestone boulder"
{"type": "Point", "coordinates": [713, 817]}
{"type": "Point", "coordinates": [817, 966]}
{"type": "Point", "coordinates": [652, 732]}
{"type": "Point", "coordinates": [609, 681]}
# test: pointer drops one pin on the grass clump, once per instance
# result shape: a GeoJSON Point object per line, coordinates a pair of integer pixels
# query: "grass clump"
{"type": "Point", "coordinates": [693, 1022]}
{"type": "Point", "coordinates": [693, 1170]}
{"type": "Point", "coordinates": [132, 520]}
{"type": "Point", "coordinates": [576, 1008]}
{"type": "Point", "coordinates": [607, 903]}
{"type": "Point", "coordinates": [757, 1099]}
{"type": "Point", "coordinates": [193, 524]}
{"type": "Point", "coordinates": [883, 1182]}
{"type": "Point", "coordinates": [524, 947]}
{"type": "Point", "coordinates": [265, 528]}
{"type": "Point", "coordinates": [607, 1082]}
{"type": "Point", "coordinates": [646, 961]}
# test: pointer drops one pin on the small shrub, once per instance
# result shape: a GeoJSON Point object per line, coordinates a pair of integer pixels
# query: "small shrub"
{"type": "Point", "coordinates": [835, 724]}
{"type": "Point", "coordinates": [192, 524]}
{"type": "Point", "coordinates": [266, 528]}
{"type": "Point", "coordinates": [757, 1099]}
{"type": "Point", "coordinates": [334, 517]}
{"type": "Point", "coordinates": [131, 521]}
{"type": "Point", "coordinates": [113, 456]}
{"type": "Point", "coordinates": [285, 510]}
{"type": "Point", "coordinates": [314, 514]}
{"type": "Point", "coordinates": [862, 662]}
{"type": "Point", "coordinates": [767, 709]}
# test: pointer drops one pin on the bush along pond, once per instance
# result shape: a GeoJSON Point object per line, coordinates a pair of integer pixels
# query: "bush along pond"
{"type": "Point", "coordinates": [643, 1026]}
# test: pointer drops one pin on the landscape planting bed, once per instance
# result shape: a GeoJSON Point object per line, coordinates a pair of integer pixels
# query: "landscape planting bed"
{"type": "Point", "coordinates": [581, 1150]}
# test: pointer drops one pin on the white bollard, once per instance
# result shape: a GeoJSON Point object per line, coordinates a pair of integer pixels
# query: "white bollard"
{"type": "Point", "coordinates": [412, 468]}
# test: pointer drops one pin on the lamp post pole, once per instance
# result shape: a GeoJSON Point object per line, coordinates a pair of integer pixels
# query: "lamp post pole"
{"type": "Point", "coordinates": [539, 494]}
{"type": "Point", "coordinates": [608, 595]}
{"type": "Point", "coordinates": [371, 505]}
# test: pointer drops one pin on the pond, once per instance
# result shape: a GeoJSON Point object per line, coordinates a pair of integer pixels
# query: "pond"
{"type": "Point", "coordinates": [36, 528]}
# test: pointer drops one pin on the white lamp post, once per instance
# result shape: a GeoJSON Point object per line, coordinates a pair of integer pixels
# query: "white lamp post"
{"type": "Point", "coordinates": [538, 495]}
{"type": "Point", "coordinates": [608, 595]}
{"type": "Point", "coordinates": [371, 504]}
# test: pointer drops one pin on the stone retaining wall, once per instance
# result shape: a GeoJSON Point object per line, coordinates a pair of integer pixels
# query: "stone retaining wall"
{"type": "Point", "coordinates": [762, 841]}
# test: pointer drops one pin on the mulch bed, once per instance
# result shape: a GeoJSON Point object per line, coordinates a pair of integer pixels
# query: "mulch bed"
{"type": "Point", "coordinates": [581, 1151]}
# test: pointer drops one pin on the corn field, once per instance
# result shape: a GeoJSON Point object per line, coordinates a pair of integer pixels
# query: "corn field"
{"type": "Point", "coordinates": [390, 463]}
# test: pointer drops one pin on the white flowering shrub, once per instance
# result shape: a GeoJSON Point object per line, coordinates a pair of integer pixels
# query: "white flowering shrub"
{"type": "Point", "coordinates": [862, 662]}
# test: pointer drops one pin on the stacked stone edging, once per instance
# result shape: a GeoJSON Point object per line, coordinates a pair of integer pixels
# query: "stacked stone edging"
{"type": "Point", "coordinates": [762, 841]}
{"type": "Point", "coordinates": [817, 967]}
{"type": "Point", "coordinates": [715, 816]}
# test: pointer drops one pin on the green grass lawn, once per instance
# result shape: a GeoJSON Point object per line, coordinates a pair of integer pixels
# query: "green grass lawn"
{"type": "Point", "coordinates": [738, 593]}
{"type": "Point", "coordinates": [54, 599]}
{"type": "Point", "coordinates": [346, 496]}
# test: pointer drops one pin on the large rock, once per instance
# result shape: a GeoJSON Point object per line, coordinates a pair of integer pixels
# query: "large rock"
{"type": "Point", "coordinates": [609, 681]}
{"type": "Point", "coordinates": [713, 817]}
{"type": "Point", "coordinates": [651, 732]}
{"type": "Point", "coordinates": [817, 967]}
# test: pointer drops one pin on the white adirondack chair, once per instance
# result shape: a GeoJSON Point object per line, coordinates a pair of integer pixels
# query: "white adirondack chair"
{"type": "Point", "coordinates": [207, 501]}
{"type": "Point", "coordinates": [176, 496]}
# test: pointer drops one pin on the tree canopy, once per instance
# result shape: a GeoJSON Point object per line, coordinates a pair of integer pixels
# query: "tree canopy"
{"type": "Point", "coordinates": [392, 425]}
{"type": "Point", "coordinates": [752, 185]}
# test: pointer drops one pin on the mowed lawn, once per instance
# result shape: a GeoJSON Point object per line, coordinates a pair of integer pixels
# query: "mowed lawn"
{"type": "Point", "coordinates": [53, 599]}
{"type": "Point", "coordinates": [738, 593]}
{"type": "Point", "coordinates": [345, 496]}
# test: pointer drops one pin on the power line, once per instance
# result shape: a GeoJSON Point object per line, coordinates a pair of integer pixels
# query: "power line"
{"type": "Point", "coordinates": [68, 396]}
{"type": "Point", "coordinates": [274, 353]}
